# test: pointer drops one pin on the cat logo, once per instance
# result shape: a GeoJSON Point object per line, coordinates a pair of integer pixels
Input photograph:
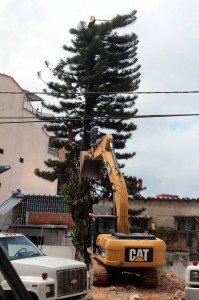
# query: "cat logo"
{"type": "Point", "coordinates": [139, 254]}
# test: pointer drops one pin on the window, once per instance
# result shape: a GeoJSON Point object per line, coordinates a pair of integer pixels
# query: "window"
{"type": "Point", "coordinates": [21, 160]}
{"type": "Point", "coordinates": [139, 224]}
{"type": "Point", "coordinates": [186, 223]}
{"type": "Point", "coordinates": [107, 226]}
{"type": "Point", "coordinates": [1, 151]}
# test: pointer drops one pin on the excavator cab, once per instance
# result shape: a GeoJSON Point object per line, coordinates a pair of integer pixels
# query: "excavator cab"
{"type": "Point", "coordinates": [101, 224]}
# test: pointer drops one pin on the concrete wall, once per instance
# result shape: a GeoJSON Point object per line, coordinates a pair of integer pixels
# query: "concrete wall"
{"type": "Point", "coordinates": [28, 141]}
{"type": "Point", "coordinates": [163, 211]}
{"type": "Point", "coordinates": [177, 262]}
{"type": "Point", "coordinates": [51, 235]}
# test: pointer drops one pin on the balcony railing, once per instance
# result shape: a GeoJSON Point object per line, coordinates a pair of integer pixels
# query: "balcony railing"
{"type": "Point", "coordinates": [36, 112]}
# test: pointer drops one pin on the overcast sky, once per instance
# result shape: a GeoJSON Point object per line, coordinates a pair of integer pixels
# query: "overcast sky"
{"type": "Point", "coordinates": [33, 31]}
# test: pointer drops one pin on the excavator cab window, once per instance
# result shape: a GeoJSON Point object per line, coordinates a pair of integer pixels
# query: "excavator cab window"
{"type": "Point", "coordinates": [107, 225]}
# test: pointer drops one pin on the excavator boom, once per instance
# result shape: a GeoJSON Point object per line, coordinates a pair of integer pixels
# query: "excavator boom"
{"type": "Point", "coordinates": [91, 163]}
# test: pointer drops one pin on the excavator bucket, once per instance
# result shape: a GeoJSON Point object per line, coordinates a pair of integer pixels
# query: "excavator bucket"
{"type": "Point", "coordinates": [90, 168]}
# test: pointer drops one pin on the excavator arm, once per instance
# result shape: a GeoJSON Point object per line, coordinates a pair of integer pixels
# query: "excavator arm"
{"type": "Point", "coordinates": [91, 163]}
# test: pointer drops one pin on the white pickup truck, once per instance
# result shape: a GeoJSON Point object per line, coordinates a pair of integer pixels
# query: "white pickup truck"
{"type": "Point", "coordinates": [44, 277]}
{"type": "Point", "coordinates": [192, 282]}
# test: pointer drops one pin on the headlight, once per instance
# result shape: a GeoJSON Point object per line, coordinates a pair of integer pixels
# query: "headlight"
{"type": "Point", "coordinates": [50, 290]}
{"type": "Point", "coordinates": [194, 276]}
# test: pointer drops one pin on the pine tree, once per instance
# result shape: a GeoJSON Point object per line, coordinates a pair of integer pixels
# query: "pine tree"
{"type": "Point", "coordinates": [93, 82]}
{"type": "Point", "coordinates": [100, 68]}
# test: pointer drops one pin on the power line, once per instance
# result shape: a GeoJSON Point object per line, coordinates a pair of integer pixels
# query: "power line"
{"type": "Point", "coordinates": [46, 119]}
{"type": "Point", "coordinates": [101, 93]}
{"type": "Point", "coordinates": [61, 119]}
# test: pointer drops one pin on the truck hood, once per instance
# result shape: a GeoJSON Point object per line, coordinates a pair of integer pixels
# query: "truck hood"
{"type": "Point", "coordinates": [46, 262]}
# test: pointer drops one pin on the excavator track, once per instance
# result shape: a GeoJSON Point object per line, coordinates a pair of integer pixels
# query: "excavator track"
{"type": "Point", "coordinates": [99, 273]}
{"type": "Point", "coordinates": [149, 277]}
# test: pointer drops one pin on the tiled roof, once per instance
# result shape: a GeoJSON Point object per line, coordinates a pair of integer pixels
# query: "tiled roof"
{"type": "Point", "coordinates": [186, 216]}
{"type": "Point", "coordinates": [164, 199]}
{"type": "Point", "coordinates": [160, 196]}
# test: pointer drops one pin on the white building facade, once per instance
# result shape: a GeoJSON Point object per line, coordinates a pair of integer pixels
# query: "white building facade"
{"type": "Point", "coordinates": [23, 146]}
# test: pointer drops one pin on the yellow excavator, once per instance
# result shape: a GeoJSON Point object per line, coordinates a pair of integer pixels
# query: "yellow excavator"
{"type": "Point", "coordinates": [113, 249]}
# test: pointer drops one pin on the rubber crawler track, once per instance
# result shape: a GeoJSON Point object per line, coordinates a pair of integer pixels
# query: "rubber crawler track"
{"type": "Point", "coordinates": [149, 277]}
{"type": "Point", "coordinates": [99, 273]}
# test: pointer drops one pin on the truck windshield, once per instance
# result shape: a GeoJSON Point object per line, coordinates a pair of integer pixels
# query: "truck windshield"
{"type": "Point", "coordinates": [17, 247]}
